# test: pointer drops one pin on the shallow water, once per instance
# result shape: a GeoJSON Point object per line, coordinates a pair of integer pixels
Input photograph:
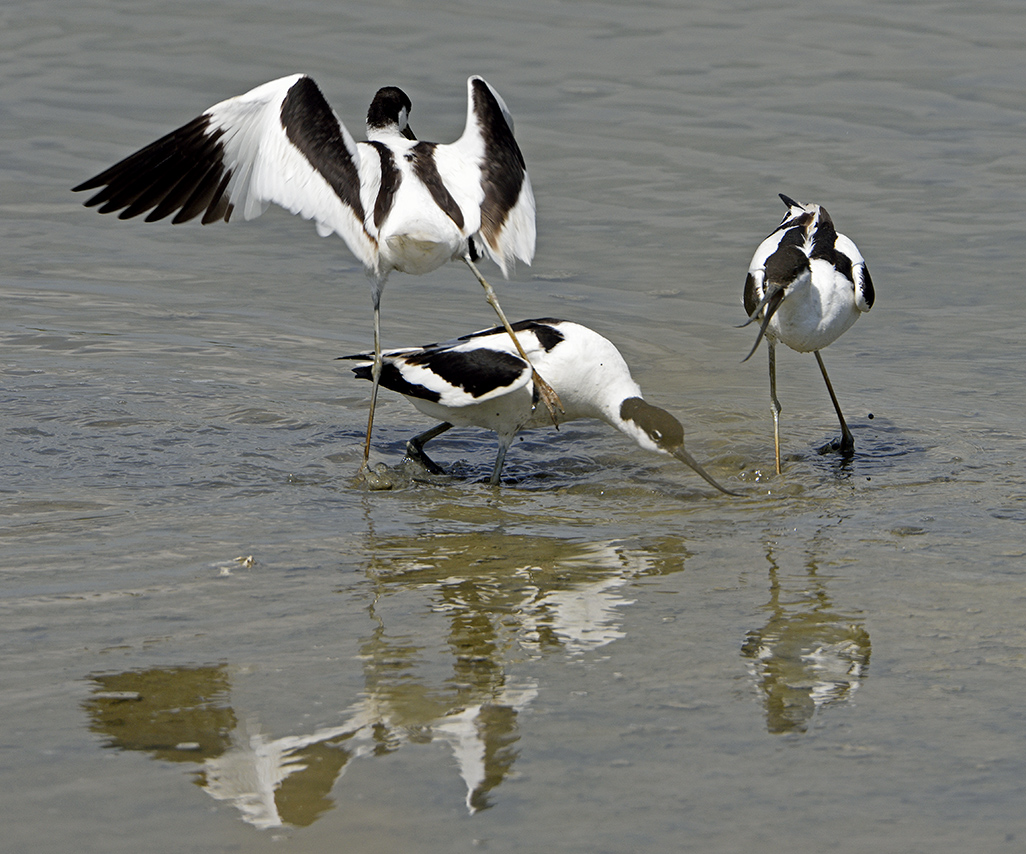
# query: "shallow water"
{"type": "Point", "coordinates": [214, 639]}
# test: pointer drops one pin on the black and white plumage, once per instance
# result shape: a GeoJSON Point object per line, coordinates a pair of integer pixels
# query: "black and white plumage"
{"type": "Point", "coordinates": [398, 203]}
{"type": "Point", "coordinates": [807, 284]}
{"type": "Point", "coordinates": [480, 380]}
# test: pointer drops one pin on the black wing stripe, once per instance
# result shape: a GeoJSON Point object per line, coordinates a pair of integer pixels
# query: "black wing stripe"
{"type": "Point", "coordinates": [842, 263]}
{"type": "Point", "coordinates": [392, 378]}
{"type": "Point", "coordinates": [868, 291]}
{"type": "Point", "coordinates": [477, 372]}
{"type": "Point", "coordinates": [751, 296]}
{"type": "Point", "coordinates": [548, 336]}
{"type": "Point", "coordinates": [503, 168]}
{"type": "Point", "coordinates": [824, 238]}
{"type": "Point", "coordinates": [795, 232]}
{"type": "Point", "coordinates": [391, 178]}
{"type": "Point", "coordinates": [785, 265]}
{"type": "Point", "coordinates": [425, 169]}
{"type": "Point", "coordinates": [544, 329]}
{"type": "Point", "coordinates": [311, 127]}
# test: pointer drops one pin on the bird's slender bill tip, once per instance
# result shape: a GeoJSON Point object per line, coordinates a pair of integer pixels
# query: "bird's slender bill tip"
{"type": "Point", "coordinates": [690, 461]}
{"type": "Point", "coordinates": [751, 352]}
{"type": "Point", "coordinates": [771, 302]}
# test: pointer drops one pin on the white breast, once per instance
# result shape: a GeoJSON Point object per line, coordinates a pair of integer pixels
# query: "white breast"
{"type": "Point", "coordinates": [816, 310]}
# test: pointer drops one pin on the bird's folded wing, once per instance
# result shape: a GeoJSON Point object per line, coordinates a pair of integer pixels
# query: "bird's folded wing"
{"type": "Point", "coordinates": [857, 271]}
{"type": "Point", "coordinates": [451, 376]}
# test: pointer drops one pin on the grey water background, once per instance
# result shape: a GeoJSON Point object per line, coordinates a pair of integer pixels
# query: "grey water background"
{"type": "Point", "coordinates": [214, 640]}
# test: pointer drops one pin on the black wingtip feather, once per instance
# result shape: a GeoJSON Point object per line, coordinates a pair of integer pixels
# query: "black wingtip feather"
{"type": "Point", "coordinates": [182, 171]}
{"type": "Point", "coordinates": [90, 184]}
{"type": "Point", "coordinates": [180, 192]}
{"type": "Point", "coordinates": [220, 205]}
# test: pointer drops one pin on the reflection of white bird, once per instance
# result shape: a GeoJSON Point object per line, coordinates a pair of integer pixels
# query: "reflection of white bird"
{"type": "Point", "coordinates": [478, 380]}
{"type": "Point", "coordinates": [399, 204]}
{"type": "Point", "coordinates": [807, 284]}
{"type": "Point", "coordinates": [250, 772]}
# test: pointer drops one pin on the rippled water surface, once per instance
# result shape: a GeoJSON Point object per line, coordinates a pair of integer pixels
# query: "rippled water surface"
{"type": "Point", "coordinates": [215, 640]}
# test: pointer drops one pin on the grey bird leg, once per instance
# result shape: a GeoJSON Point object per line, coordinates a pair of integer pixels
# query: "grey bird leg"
{"type": "Point", "coordinates": [376, 377]}
{"type": "Point", "coordinates": [415, 447]}
{"type": "Point", "coordinates": [847, 445]}
{"type": "Point", "coordinates": [771, 348]}
{"type": "Point", "coordinates": [500, 460]}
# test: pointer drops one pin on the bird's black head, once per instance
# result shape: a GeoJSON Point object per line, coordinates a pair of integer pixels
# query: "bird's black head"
{"type": "Point", "coordinates": [391, 107]}
{"type": "Point", "coordinates": [656, 430]}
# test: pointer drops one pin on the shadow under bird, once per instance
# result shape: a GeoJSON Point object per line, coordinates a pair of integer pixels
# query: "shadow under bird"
{"type": "Point", "coordinates": [806, 285]}
{"type": "Point", "coordinates": [399, 203]}
{"type": "Point", "coordinates": [480, 380]}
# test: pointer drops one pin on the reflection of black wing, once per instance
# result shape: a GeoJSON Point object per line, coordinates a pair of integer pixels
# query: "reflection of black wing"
{"type": "Point", "coordinates": [182, 714]}
{"type": "Point", "coordinates": [160, 710]}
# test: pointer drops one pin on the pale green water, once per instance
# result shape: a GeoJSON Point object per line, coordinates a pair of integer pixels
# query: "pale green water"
{"type": "Point", "coordinates": [603, 655]}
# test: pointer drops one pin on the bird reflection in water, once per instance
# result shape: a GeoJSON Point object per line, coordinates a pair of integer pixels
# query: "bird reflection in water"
{"type": "Point", "coordinates": [807, 656]}
{"type": "Point", "coordinates": [451, 681]}
{"type": "Point", "coordinates": [185, 714]}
